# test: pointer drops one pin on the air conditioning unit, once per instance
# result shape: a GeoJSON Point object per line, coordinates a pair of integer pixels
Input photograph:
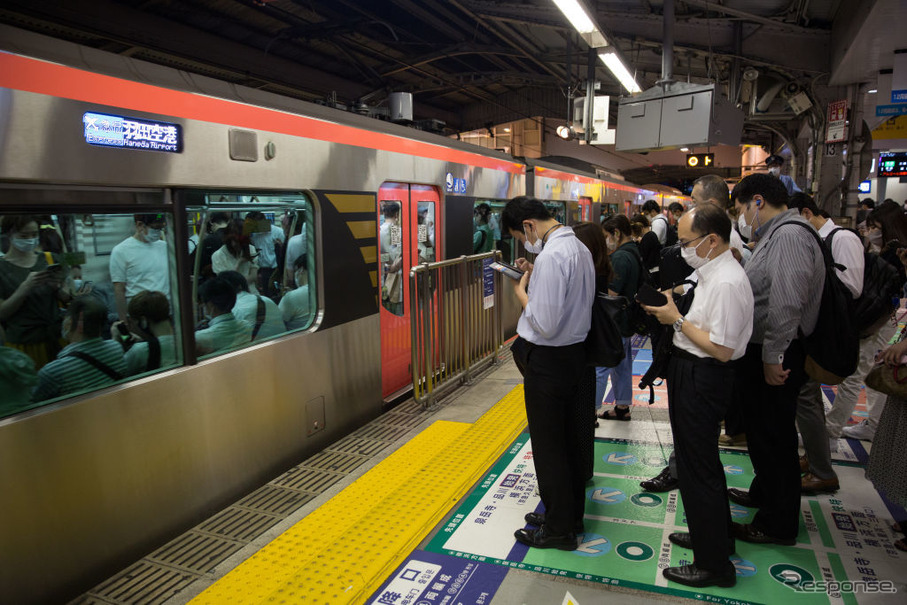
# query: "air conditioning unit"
{"type": "Point", "coordinates": [677, 115]}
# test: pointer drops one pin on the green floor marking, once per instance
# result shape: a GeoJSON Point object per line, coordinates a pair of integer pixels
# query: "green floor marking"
{"type": "Point", "coordinates": [625, 540]}
{"type": "Point", "coordinates": [821, 525]}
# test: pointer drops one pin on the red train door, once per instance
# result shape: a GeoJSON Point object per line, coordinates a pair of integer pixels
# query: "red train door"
{"type": "Point", "coordinates": [408, 216]}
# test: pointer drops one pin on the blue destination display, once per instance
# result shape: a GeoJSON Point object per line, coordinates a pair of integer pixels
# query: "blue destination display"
{"type": "Point", "coordinates": [132, 133]}
{"type": "Point", "coordinates": [892, 164]}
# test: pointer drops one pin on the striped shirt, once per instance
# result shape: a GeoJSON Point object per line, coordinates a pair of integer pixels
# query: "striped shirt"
{"type": "Point", "coordinates": [68, 374]}
{"type": "Point", "coordinates": [787, 274]}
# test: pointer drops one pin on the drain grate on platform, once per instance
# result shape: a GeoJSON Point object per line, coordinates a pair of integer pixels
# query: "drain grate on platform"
{"type": "Point", "coordinates": [196, 552]}
{"type": "Point", "coordinates": [307, 479]}
{"type": "Point", "coordinates": [238, 524]}
{"type": "Point", "coordinates": [274, 500]}
{"type": "Point", "coordinates": [397, 419]}
{"type": "Point", "coordinates": [380, 432]}
{"type": "Point", "coordinates": [361, 447]}
{"type": "Point", "coordinates": [335, 461]}
{"type": "Point", "coordinates": [144, 583]}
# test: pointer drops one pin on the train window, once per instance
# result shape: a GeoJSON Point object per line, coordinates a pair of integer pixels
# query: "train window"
{"type": "Point", "coordinates": [86, 300]}
{"type": "Point", "coordinates": [487, 228]}
{"type": "Point", "coordinates": [253, 269]}
{"type": "Point", "coordinates": [390, 238]}
{"type": "Point", "coordinates": [558, 210]}
{"type": "Point", "coordinates": [426, 232]}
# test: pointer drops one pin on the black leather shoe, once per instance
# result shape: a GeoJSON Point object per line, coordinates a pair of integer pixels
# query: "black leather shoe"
{"type": "Point", "coordinates": [691, 575]}
{"type": "Point", "coordinates": [539, 538]}
{"type": "Point", "coordinates": [738, 496]}
{"type": "Point", "coordinates": [663, 482]}
{"type": "Point", "coordinates": [748, 533]}
{"type": "Point", "coordinates": [683, 540]}
{"type": "Point", "coordinates": [539, 519]}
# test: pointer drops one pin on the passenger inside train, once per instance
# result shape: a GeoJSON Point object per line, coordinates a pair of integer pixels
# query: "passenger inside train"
{"type": "Point", "coordinates": [73, 285]}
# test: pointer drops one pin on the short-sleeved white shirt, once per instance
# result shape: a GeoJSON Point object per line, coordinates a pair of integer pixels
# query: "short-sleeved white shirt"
{"type": "Point", "coordinates": [722, 306]}
{"type": "Point", "coordinates": [267, 258]}
{"type": "Point", "coordinates": [223, 332]}
{"type": "Point", "coordinates": [246, 309]}
{"type": "Point", "coordinates": [141, 266]}
{"type": "Point", "coordinates": [296, 308]}
{"type": "Point", "coordinates": [847, 251]}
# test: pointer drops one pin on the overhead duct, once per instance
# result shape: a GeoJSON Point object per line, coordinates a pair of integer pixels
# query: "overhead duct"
{"type": "Point", "coordinates": [672, 115]}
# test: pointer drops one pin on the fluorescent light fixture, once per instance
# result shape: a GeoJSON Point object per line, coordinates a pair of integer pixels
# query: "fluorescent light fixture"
{"type": "Point", "coordinates": [620, 71]}
{"type": "Point", "coordinates": [872, 91]}
{"type": "Point", "coordinates": [582, 22]}
{"type": "Point", "coordinates": [685, 149]}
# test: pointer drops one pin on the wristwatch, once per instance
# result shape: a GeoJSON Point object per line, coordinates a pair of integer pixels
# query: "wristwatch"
{"type": "Point", "coordinates": [678, 325]}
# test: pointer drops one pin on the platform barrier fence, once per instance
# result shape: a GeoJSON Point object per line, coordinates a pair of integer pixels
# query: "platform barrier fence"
{"type": "Point", "coordinates": [456, 323]}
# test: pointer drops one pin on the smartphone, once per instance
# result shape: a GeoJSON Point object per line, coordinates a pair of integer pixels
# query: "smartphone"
{"type": "Point", "coordinates": [508, 270]}
{"type": "Point", "coordinates": [649, 296]}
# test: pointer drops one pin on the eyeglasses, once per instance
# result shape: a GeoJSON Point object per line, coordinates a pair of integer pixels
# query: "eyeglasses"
{"type": "Point", "coordinates": [684, 244]}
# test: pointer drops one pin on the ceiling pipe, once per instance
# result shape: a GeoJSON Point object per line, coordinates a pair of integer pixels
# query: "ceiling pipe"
{"type": "Point", "coordinates": [667, 52]}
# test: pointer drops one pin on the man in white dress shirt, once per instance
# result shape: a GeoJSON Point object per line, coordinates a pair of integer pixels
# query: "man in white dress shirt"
{"type": "Point", "coordinates": [700, 379]}
{"type": "Point", "coordinates": [556, 294]}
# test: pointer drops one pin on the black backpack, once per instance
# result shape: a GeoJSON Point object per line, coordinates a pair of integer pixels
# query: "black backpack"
{"type": "Point", "coordinates": [879, 297]}
{"type": "Point", "coordinates": [833, 347]}
{"type": "Point", "coordinates": [641, 322]}
{"type": "Point", "coordinates": [670, 230]}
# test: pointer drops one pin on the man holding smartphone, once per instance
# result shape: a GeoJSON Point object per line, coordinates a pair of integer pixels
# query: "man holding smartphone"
{"type": "Point", "coordinates": [556, 294]}
{"type": "Point", "coordinates": [700, 378]}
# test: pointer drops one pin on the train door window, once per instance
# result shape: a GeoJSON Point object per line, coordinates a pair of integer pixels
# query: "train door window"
{"type": "Point", "coordinates": [502, 241]}
{"type": "Point", "coordinates": [87, 300]}
{"type": "Point", "coordinates": [253, 270]}
{"type": "Point", "coordinates": [390, 240]}
{"type": "Point", "coordinates": [425, 232]}
{"type": "Point", "coordinates": [558, 210]}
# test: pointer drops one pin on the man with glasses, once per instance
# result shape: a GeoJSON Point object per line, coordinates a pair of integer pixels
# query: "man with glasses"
{"type": "Point", "coordinates": [700, 380]}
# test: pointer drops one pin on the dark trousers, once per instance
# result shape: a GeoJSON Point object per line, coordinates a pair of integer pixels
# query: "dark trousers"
{"type": "Point", "coordinates": [770, 414]}
{"type": "Point", "coordinates": [558, 416]}
{"type": "Point", "coordinates": [698, 396]}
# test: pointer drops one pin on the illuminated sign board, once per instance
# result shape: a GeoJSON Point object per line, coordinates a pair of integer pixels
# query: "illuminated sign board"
{"type": "Point", "coordinates": [865, 187]}
{"type": "Point", "coordinates": [700, 160]}
{"type": "Point", "coordinates": [892, 164]}
{"type": "Point", "coordinates": [131, 133]}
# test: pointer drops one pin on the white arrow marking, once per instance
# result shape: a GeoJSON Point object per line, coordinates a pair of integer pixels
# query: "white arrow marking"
{"type": "Point", "coordinates": [569, 599]}
{"type": "Point", "coordinates": [615, 459]}
{"type": "Point", "coordinates": [588, 547]}
{"type": "Point", "coordinates": [599, 495]}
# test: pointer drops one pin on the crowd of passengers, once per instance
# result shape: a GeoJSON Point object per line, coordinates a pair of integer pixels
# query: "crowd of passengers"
{"type": "Point", "coordinates": [60, 334]}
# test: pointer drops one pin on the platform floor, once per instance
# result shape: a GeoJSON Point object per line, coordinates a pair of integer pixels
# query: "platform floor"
{"type": "Point", "coordinates": [455, 545]}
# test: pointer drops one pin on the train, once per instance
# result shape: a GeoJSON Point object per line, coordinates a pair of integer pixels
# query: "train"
{"type": "Point", "coordinates": [95, 479]}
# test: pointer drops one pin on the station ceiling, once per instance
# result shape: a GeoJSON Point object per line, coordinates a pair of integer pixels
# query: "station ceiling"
{"type": "Point", "coordinates": [470, 63]}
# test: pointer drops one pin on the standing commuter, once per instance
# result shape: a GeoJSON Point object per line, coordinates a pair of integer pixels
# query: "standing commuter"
{"type": "Point", "coordinates": [556, 294]}
{"type": "Point", "coordinates": [657, 221]}
{"type": "Point", "coordinates": [700, 382]}
{"type": "Point", "coordinates": [627, 265]}
{"type": "Point", "coordinates": [787, 275]}
{"type": "Point", "coordinates": [774, 163]}
{"type": "Point", "coordinates": [140, 262]}
{"type": "Point", "coordinates": [847, 253]}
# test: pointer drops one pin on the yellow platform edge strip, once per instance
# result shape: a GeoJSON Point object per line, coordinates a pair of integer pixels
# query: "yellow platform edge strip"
{"type": "Point", "coordinates": [344, 550]}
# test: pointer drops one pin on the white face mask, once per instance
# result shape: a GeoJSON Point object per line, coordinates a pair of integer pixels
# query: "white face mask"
{"type": "Point", "coordinates": [746, 229]}
{"type": "Point", "coordinates": [775, 171]}
{"type": "Point", "coordinates": [77, 284]}
{"type": "Point", "coordinates": [26, 244]}
{"type": "Point", "coordinates": [692, 259]}
{"type": "Point", "coordinates": [612, 245]}
{"type": "Point", "coordinates": [153, 235]}
{"type": "Point", "coordinates": [875, 237]}
{"type": "Point", "coordinates": [533, 247]}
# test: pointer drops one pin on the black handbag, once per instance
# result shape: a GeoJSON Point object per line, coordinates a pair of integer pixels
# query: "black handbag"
{"type": "Point", "coordinates": [663, 345]}
{"type": "Point", "coordinates": [604, 345]}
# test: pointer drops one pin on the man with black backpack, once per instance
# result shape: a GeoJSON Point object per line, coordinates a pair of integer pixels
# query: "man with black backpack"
{"type": "Point", "coordinates": [847, 251]}
{"type": "Point", "coordinates": [787, 275]}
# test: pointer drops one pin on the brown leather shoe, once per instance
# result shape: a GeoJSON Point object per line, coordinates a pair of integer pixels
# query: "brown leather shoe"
{"type": "Point", "coordinates": [810, 484]}
{"type": "Point", "coordinates": [804, 464]}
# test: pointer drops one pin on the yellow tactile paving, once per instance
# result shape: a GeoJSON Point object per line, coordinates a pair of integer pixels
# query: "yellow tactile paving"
{"type": "Point", "coordinates": [341, 552]}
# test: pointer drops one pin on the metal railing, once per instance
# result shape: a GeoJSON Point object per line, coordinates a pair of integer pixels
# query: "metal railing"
{"type": "Point", "coordinates": [455, 321]}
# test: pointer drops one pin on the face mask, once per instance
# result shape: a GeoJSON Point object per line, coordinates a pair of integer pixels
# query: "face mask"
{"type": "Point", "coordinates": [77, 284]}
{"type": "Point", "coordinates": [692, 259]}
{"type": "Point", "coordinates": [25, 245]}
{"type": "Point", "coordinates": [152, 235]}
{"type": "Point", "coordinates": [533, 247]}
{"type": "Point", "coordinates": [875, 237]}
{"type": "Point", "coordinates": [774, 171]}
{"type": "Point", "coordinates": [612, 245]}
{"type": "Point", "coordinates": [746, 229]}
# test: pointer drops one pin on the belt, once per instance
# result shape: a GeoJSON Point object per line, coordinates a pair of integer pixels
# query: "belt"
{"type": "Point", "coordinates": [686, 355]}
